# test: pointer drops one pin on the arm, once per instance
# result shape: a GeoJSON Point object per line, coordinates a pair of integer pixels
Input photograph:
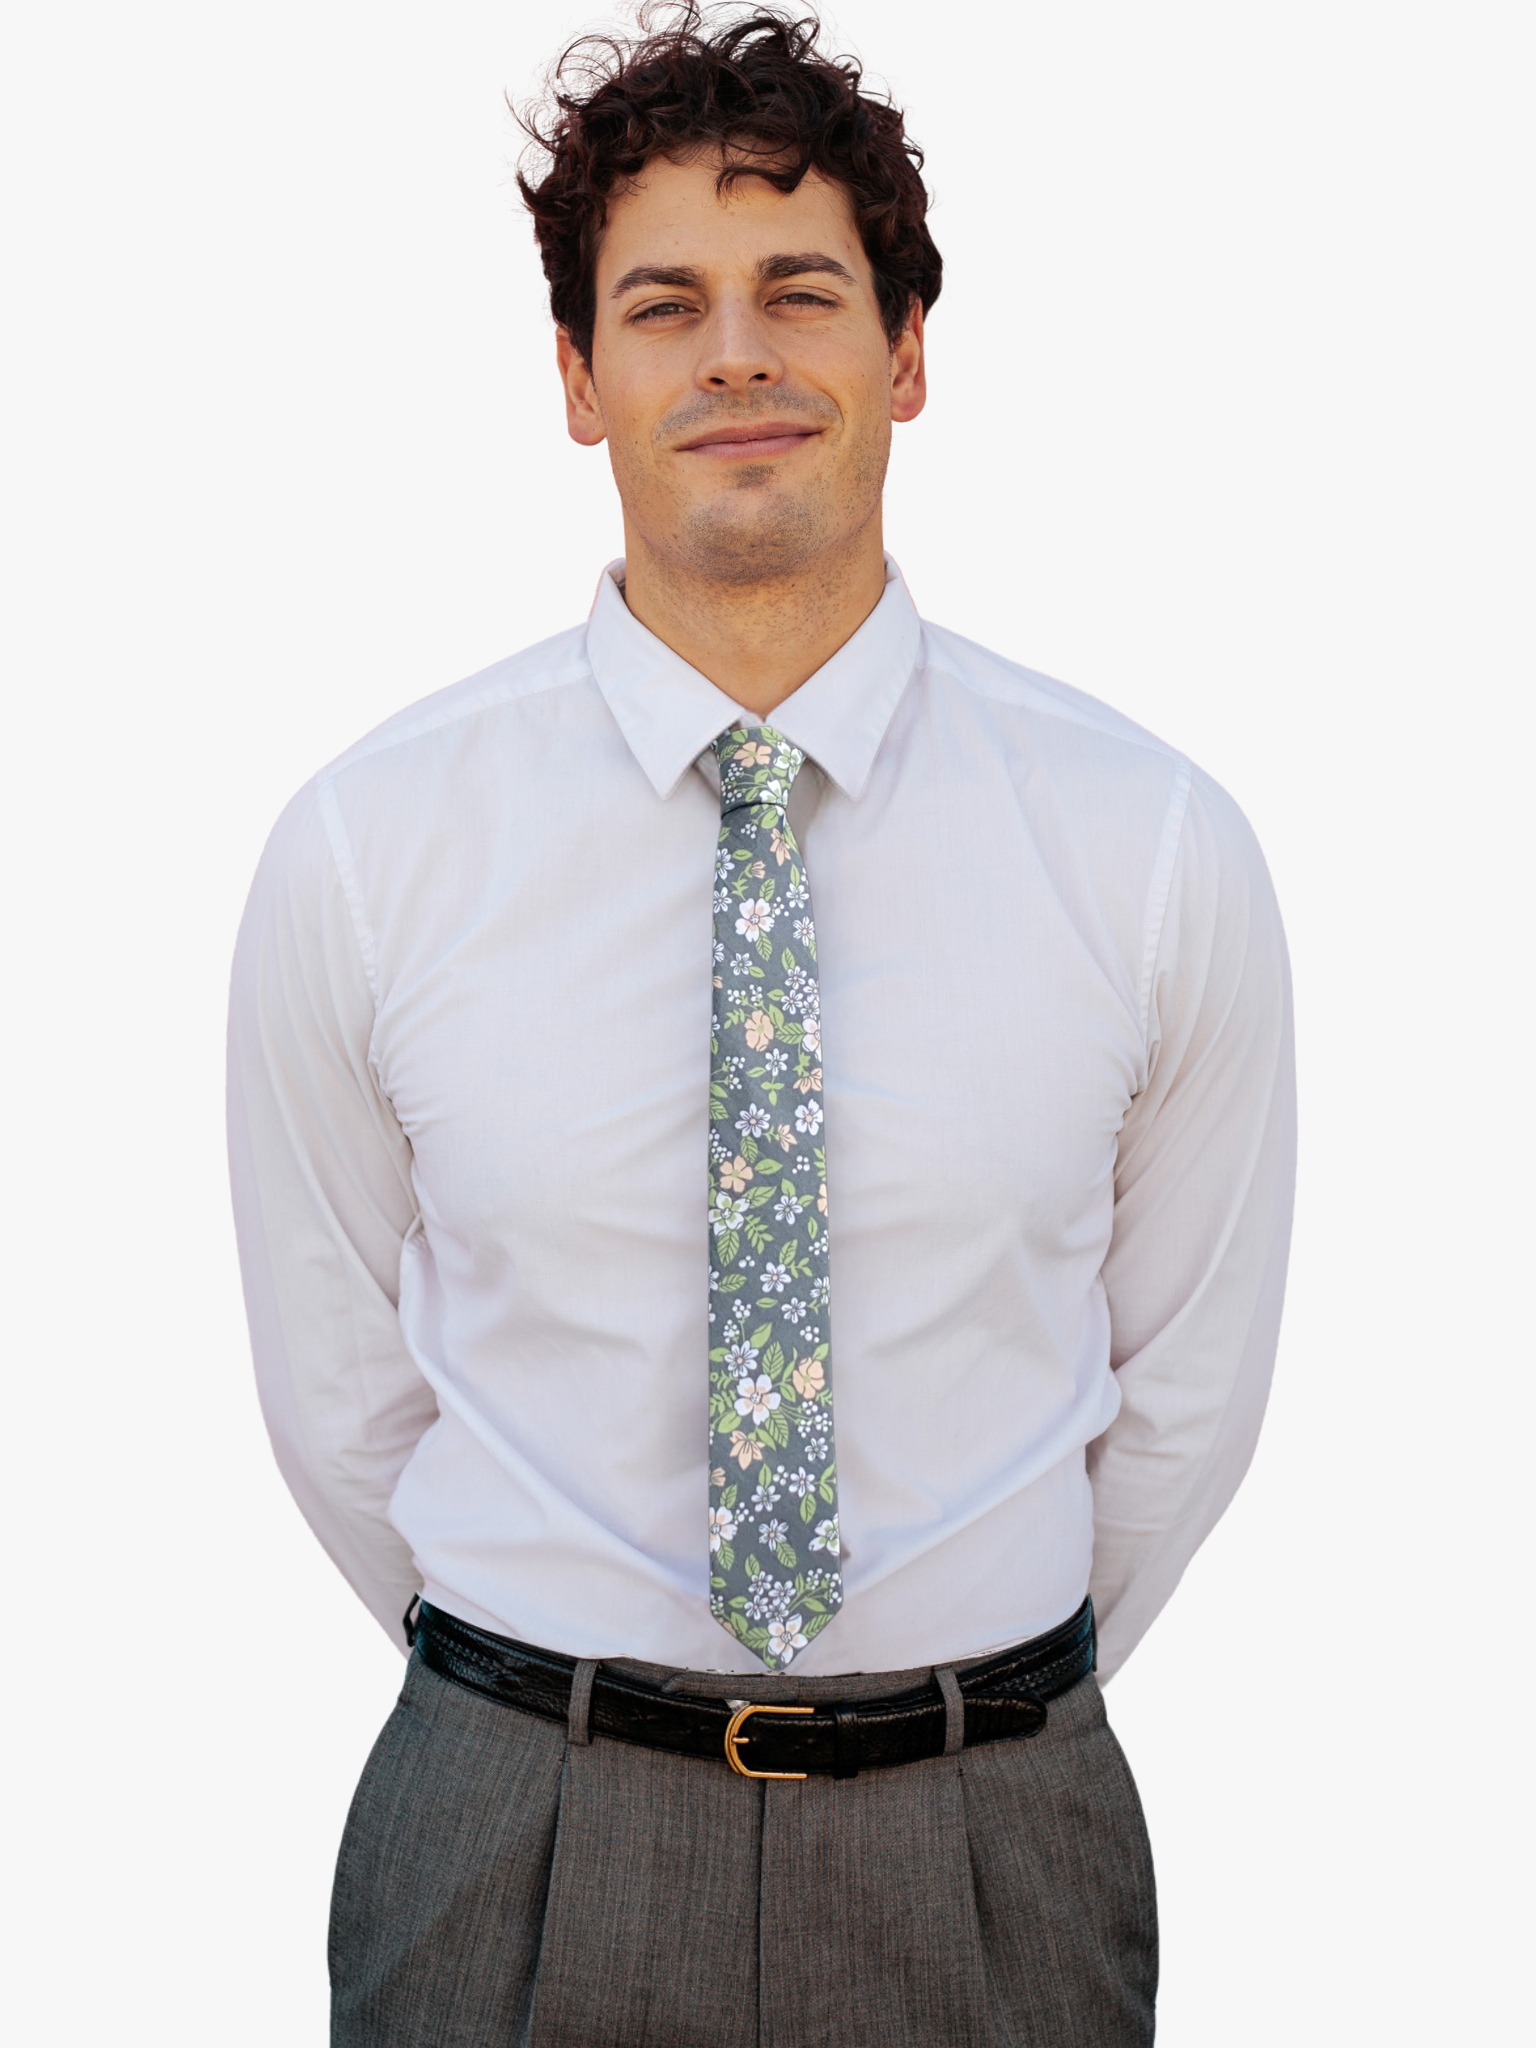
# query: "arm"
{"type": "Point", "coordinates": [321, 1175]}
{"type": "Point", "coordinates": [1203, 1189]}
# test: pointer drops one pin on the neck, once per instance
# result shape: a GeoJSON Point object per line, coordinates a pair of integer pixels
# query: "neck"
{"type": "Point", "coordinates": [758, 642]}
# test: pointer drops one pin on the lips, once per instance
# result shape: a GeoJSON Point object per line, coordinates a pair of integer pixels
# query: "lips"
{"type": "Point", "coordinates": [762, 438]}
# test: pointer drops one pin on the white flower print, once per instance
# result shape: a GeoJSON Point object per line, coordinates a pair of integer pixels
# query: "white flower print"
{"type": "Point", "coordinates": [770, 1599]}
{"type": "Point", "coordinates": [784, 1638]}
{"type": "Point", "coordinates": [767, 1038]}
{"type": "Point", "coordinates": [756, 1397]}
{"type": "Point", "coordinates": [800, 992]}
{"type": "Point", "coordinates": [821, 1287]}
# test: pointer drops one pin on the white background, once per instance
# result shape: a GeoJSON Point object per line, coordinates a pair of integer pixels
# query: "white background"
{"type": "Point", "coordinates": [1232, 425]}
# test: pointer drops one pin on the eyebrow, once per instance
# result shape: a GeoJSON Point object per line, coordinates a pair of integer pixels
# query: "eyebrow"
{"type": "Point", "coordinates": [770, 270]}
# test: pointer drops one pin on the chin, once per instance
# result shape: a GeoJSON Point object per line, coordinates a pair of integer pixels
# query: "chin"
{"type": "Point", "coordinates": [737, 540]}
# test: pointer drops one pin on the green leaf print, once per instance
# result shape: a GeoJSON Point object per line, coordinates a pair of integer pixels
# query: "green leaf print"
{"type": "Point", "coordinates": [765, 1066]}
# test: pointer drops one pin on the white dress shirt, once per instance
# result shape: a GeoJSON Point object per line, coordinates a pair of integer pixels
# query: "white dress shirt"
{"type": "Point", "coordinates": [468, 1117]}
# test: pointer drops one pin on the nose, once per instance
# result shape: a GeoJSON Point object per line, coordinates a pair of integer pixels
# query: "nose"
{"type": "Point", "coordinates": [738, 352]}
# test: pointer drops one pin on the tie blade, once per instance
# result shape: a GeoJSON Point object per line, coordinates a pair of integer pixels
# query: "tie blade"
{"type": "Point", "coordinates": [775, 1545]}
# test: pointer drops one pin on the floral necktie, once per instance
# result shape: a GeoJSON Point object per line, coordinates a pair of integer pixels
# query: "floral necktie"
{"type": "Point", "coordinates": [775, 1580]}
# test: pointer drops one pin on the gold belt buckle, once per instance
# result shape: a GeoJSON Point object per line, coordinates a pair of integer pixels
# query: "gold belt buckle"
{"type": "Point", "coordinates": [733, 1737]}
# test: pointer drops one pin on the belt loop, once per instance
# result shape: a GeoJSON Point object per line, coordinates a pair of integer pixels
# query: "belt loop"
{"type": "Point", "coordinates": [846, 1743]}
{"type": "Point", "coordinates": [410, 1620]}
{"type": "Point", "coordinates": [581, 1699]}
{"type": "Point", "coordinates": [954, 1708]}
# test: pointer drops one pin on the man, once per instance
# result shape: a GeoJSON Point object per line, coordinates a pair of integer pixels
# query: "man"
{"type": "Point", "coordinates": [762, 1144]}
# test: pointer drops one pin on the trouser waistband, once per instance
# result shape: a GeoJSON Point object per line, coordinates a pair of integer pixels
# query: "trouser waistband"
{"type": "Point", "coordinates": [995, 1699]}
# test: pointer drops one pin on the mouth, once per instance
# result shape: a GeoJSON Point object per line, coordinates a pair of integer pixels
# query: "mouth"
{"type": "Point", "coordinates": [750, 444]}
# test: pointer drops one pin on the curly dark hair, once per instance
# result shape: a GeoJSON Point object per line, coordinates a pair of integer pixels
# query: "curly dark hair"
{"type": "Point", "coordinates": [757, 88]}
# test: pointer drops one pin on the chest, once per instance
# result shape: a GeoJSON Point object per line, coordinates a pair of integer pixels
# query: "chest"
{"type": "Point", "coordinates": [544, 1029]}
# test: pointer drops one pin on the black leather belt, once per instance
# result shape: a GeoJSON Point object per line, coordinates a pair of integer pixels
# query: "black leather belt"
{"type": "Point", "coordinates": [1000, 1697]}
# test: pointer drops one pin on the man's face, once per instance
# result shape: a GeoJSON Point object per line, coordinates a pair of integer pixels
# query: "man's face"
{"type": "Point", "coordinates": [740, 371]}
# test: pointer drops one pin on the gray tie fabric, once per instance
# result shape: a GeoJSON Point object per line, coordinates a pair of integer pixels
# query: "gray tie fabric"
{"type": "Point", "coordinates": [775, 1579]}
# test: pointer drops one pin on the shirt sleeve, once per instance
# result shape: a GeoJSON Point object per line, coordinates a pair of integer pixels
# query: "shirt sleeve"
{"type": "Point", "coordinates": [323, 1200]}
{"type": "Point", "coordinates": [1204, 1183]}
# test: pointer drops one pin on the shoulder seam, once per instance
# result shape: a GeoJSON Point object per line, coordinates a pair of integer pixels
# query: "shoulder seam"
{"type": "Point", "coordinates": [341, 853]}
{"type": "Point", "coordinates": [1160, 888]}
{"type": "Point", "coordinates": [371, 745]}
{"type": "Point", "coordinates": [1125, 730]}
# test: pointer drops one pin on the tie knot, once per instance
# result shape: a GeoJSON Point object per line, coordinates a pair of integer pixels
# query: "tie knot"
{"type": "Point", "coordinates": [758, 767]}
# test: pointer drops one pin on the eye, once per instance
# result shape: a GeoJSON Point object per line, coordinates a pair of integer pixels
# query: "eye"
{"type": "Point", "coordinates": [803, 298]}
{"type": "Point", "coordinates": [663, 310]}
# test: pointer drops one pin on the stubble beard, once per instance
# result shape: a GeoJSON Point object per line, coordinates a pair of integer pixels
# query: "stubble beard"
{"type": "Point", "coordinates": [753, 528]}
{"type": "Point", "coordinates": [757, 532]}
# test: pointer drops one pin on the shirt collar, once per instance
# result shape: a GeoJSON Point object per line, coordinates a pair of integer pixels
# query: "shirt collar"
{"type": "Point", "coordinates": [668, 712]}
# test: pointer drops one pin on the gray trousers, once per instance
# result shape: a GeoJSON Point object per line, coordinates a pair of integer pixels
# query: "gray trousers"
{"type": "Point", "coordinates": [501, 1883]}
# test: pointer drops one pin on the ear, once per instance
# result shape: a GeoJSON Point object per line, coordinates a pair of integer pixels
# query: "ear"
{"type": "Point", "coordinates": [583, 415]}
{"type": "Point", "coordinates": [909, 380]}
